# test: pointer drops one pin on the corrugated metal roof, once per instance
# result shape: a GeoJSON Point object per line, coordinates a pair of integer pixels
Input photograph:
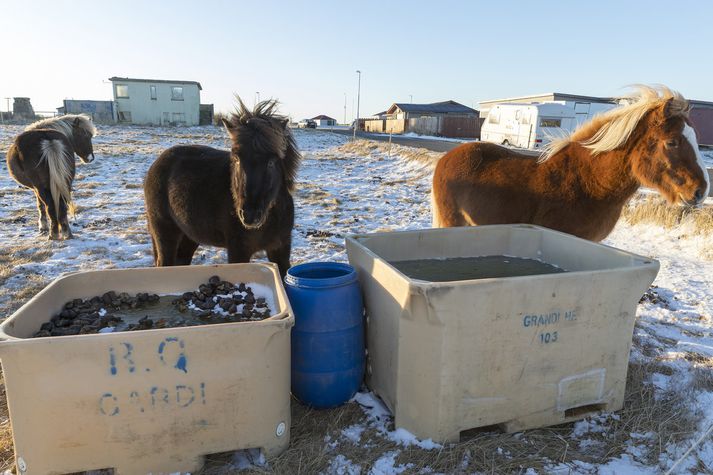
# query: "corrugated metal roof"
{"type": "Point", "coordinates": [116, 78]}
{"type": "Point", "coordinates": [445, 107]}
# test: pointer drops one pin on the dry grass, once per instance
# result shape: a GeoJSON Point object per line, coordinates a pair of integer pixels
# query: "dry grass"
{"type": "Point", "coordinates": [10, 259]}
{"type": "Point", "coordinates": [655, 210]}
{"type": "Point", "coordinates": [366, 147]}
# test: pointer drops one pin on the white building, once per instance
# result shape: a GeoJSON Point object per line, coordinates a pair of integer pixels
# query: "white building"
{"type": "Point", "coordinates": [156, 101]}
{"type": "Point", "coordinates": [324, 121]}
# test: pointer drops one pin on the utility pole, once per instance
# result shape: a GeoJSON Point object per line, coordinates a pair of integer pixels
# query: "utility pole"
{"type": "Point", "coordinates": [410, 98]}
{"type": "Point", "coordinates": [356, 122]}
{"type": "Point", "coordinates": [345, 108]}
{"type": "Point", "coordinates": [8, 104]}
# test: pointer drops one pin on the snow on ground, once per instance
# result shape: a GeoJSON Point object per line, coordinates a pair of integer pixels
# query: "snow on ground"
{"type": "Point", "coordinates": [354, 188]}
{"type": "Point", "coordinates": [414, 135]}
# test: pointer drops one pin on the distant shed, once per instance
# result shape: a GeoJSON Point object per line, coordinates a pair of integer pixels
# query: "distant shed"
{"type": "Point", "coordinates": [446, 119]}
{"type": "Point", "coordinates": [324, 120]}
{"type": "Point", "coordinates": [435, 109]}
{"type": "Point", "coordinates": [101, 112]}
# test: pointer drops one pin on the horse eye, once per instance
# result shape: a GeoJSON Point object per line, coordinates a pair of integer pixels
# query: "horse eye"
{"type": "Point", "coordinates": [672, 143]}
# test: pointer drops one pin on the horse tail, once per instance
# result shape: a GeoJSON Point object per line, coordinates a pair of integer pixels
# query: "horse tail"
{"type": "Point", "coordinates": [58, 162]}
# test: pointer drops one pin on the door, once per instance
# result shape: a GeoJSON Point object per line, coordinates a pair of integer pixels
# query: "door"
{"type": "Point", "coordinates": [581, 111]}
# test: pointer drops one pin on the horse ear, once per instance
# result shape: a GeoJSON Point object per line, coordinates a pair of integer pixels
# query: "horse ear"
{"type": "Point", "coordinates": [228, 126]}
{"type": "Point", "coordinates": [667, 108]}
{"type": "Point", "coordinates": [285, 123]}
{"type": "Point", "coordinates": [77, 121]}
{"type": "Point", "coordinates": [675, 107]}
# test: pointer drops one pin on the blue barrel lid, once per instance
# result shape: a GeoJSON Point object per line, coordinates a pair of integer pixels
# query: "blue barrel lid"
{"type": "Point", "coordinates": [320, 275]}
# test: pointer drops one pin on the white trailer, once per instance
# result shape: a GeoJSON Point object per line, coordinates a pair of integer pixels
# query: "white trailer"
{"type": "Point", "coordinates": [533, 125]}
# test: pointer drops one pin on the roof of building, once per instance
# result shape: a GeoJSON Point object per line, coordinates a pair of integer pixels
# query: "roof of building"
{"type": "Point", "coordinates": [116, 78]}
{"type": "Point", "coordinates": [323, 117]}
{"type": "Point", "coordinates": [554, 96]}
{"type": "Point", "coordinates": [433, 108]}
{"type": "Point", "coordinates": [561, 96]}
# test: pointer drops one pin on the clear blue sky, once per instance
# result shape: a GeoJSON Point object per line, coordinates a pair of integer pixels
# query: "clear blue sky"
{"type": "Point", "coordinates": [305, 53]}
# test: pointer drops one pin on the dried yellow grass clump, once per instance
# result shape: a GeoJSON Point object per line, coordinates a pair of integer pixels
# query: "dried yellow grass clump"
{"type": "Point", "coordinates": [655, 210]}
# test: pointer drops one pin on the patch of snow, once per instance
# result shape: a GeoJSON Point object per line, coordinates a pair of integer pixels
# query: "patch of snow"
{"type": "Point", "coordinates": [385, 465]}
{"type": "Point", "coordinates": [353, 433]}
{"type": "Point", "coordinates": [248, 458]}
{"type": "Point", "coordinates": [414, 135]}
{"type": "Point", "coordinates": [340, 465]}
{"type": "Point", "coordinates": [380, 418]}
{"type": "Point", "coordinates": [403, 437]}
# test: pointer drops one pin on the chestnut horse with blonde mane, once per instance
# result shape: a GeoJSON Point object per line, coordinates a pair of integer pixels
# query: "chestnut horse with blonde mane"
{"type": "Point", "coordinates": [581, 182]}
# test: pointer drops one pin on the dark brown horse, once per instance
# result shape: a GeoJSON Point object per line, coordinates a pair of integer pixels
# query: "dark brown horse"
{"type": "Point", "coordinates": [582, 182]}
{"type": "Point", "coordinates": [42, 158]}
{"type": "Point", "coordinates": [240, 200]}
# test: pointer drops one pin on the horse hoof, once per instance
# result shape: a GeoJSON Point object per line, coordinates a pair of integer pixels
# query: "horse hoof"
{"type": "Point", "coordinates": [53, 237]}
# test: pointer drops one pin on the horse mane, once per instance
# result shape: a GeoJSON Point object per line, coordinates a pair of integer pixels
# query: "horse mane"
{"type": "Point", "coordinates": [64, 123]}
{"type": "Point", "coordinates": [613, 128]}
{"type": "Point", "coordinates": [264, 131]}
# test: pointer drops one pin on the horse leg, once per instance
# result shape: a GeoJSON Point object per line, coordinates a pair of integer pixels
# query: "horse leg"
{"type": "Point", "coordinates": [46, 197]}
{"type": "Point", "coordinates": [186, 248]}
{"type": "Point", "coordinates": [447, 213]}
{"type": "Point", "coordinates": [238, 253]}
{"type": "Point", "coordinates": [42, 210]}
{"type": "Point", "coordinates": [281, 257]}
{"type": "Point", "coordinates": [63, 221]}
{"type": "Point", "coordinates": [165, 236]}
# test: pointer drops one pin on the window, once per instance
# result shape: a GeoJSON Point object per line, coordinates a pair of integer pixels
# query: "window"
{"type": "Point", "coordinates": [122, 91]}
{"type": "Point", "coordinates": [153, 92]}
{"type": "Point", "coordinates": [176, 93]}
{"type": "Point", "coordinates": [124, 116]}
{"type": "Point", "coordinates": [544, 122]}
{"type": "Point", "coordinates": [494, 117]}
{"type": "Point", "coordinates": [179, 118]}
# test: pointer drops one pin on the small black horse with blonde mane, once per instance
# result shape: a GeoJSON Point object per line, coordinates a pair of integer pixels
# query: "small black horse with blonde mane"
{"type": "Point", "coordinates": [42, 158]}
{"type": "Point", "coordinates": [240, 200]}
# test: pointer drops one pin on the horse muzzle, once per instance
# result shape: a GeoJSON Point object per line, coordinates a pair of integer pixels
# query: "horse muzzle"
{"type": "Point", "coordinates": [88, 158]}
{"type": "Point", "coordinates": [252, 219]}
{"type": "Point", "coordinates": [697, 199]}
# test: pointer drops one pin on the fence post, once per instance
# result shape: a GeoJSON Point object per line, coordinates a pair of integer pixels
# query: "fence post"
{"type": "Point", "coordinates": [390, 132]}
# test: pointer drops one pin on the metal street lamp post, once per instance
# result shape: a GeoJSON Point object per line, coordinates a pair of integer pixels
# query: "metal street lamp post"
{"type": "Point", "coordinates": [356, 121]}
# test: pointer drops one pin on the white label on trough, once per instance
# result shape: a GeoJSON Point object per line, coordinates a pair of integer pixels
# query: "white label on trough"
{"type": "Point", "coordinates": [581, 389]}
{"type": "Point", "coordinates": [124, 360]}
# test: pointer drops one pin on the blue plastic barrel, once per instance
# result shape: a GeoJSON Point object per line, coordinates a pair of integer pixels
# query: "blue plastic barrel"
{"type": "Point", "coordinates": [328, 336]}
